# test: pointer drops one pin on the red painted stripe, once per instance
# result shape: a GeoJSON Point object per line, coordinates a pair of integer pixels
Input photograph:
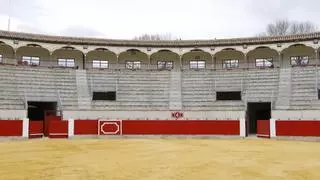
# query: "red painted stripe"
{"type": "Point", "coordinates": [86, 127]}
{"type": "Point", "coordinates": [180, 127]}
{"type": "Point", "coordinates": [11, 127]}
{"type": "Point", "coordinates": [297, 128]}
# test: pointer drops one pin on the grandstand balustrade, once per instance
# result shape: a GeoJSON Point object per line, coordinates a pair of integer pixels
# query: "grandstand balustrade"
{"type": "Point", "coordinates": [212, 65]}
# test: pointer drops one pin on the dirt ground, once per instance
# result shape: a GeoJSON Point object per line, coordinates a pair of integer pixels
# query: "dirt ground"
{"type": "Point", "coordinates": [159, 159]}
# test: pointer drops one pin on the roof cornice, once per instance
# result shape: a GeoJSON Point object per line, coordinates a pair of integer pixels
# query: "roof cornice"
{"type": "Point", "coordinates": [169, 43]}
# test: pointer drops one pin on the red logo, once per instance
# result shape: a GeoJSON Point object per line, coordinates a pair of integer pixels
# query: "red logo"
{"type": "Point", "coordinates": [176, 115]}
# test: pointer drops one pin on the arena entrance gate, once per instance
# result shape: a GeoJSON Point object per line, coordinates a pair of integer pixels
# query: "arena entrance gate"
{"type": "Point", "coordinates": [39, 114]}
{"type": "Point", "coordinates": [258, 113]}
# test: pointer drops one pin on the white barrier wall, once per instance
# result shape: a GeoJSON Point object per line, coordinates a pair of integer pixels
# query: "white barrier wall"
{"type": "Point", "coordinates": [154, 115]}
{"type": "Point", "coordinates": [25, 127]}
{"type": "Point", "coordinates": [296, 114]}
{"type": "Point", "coordinates": [13, 114]}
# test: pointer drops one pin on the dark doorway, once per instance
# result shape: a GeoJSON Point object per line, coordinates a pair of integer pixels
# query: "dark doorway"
{"type": "Point", "coordinates": [36, 110]}
{"type": "Point", "coordinates": [257, 111]}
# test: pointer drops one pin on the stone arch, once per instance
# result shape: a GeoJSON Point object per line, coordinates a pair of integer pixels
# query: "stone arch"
{"type": "Point", "coordinates": [229, 54]}
{"type": "Point", "coordinates": [196, 55]}
{"type": "Point", "coordinates": [263, 52]}
{"type": "Point", "coordinates": [7, 53]}
{"type": "Point", "coordinates": [102, 54]}
{"type": "Point", "coordinates": [34, 50]}
{"type": "Point", "coordinates": [131, 55]}
{"type": "Point", "coordinates": [68, 52]}
{"type": "Point", "coordinates": [297, 50]}
{"type": "Point", "coordinates": [167, 56]}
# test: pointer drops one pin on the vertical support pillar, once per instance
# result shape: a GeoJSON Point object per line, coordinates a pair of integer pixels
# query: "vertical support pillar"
{"type": "Point", "coordinates": [51, 60]}
{"type": "Point", "coordinates": [70, 128]}
{"type": "Point", "coordinates": [272, 128]}
{"type": "Point", "coordinates": [280, 59]}
{"type": "Point", "coordinates": [117, 65]}
{"type": "Point", "coordinates": [25, 127]}
{"type": "Point", "coordinates": [84, 61]}
{"type": "Point", "coordinates": [181, 64]}
{"type": "Point", "coordinates": [242, 123]}
{"type": "Point", "coordinates": [14, 58]}
{"type": "Point", "coordinates": [149, 61]}
{"type": "Point", "coordinates": [246, 60]}
{"type": "Point", "coordinates": [212, 59]}
{"type": "Point", "coordinates": [316, 57]}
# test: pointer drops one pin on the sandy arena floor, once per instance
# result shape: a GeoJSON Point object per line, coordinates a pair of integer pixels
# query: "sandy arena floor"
{"type": "Point", "coordinates": [165, 159]}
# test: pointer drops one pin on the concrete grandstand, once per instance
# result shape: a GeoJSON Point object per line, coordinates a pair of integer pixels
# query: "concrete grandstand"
{"type": "Point", "coordinates": [65, 86]}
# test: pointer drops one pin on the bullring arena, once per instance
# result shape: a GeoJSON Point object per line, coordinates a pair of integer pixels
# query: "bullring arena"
{"type": "Point", "coordinates": [115, 98]}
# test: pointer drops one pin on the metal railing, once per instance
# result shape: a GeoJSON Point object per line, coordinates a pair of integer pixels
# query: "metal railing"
{"type": "Point", "coordinates": [147, 66]}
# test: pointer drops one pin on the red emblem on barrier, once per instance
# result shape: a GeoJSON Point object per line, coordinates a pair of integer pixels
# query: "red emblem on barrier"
{"type": "Point", "coordinates": [176, 115]}
{"type": "Point", "coordinates": [109, 127]}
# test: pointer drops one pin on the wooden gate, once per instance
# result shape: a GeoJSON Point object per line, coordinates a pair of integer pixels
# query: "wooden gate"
{"type": "Point", "coordinates": [263, 128]}
{"type": "Point", "coordinates": [36, 129]}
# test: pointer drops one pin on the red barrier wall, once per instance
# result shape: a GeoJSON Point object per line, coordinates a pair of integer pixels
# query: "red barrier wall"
{"type": "Point", "coordinates": [263, 128]}
{"type": "Point", "coordinates": [180, 127]}
{"type": "Point", "coordinates": [297, 128]}
{"type": "Point", "coordinates": [35, 129]}
{"type": "Point", "coordinates": [11, 127]}
{"type": "Point", "coordinates": [58, 129]}
{"type": "Point", "coordinates": [85, 127]}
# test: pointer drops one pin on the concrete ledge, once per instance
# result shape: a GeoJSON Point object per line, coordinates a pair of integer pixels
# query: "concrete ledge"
{"type": "Point", "coordinates": [12, 138]}
{"type": "Point", "coordinates": [298, 138]}
{"type": "Point", "coordinates": [155, 137]}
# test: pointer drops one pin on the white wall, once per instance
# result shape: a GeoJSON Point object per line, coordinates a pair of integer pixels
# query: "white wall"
{"type": "Point", "coordinates": [154, 115]}
{"type": "Point", "coordinates": [296, 115]}
{"type": "Point", "coordinates": [13, 114]}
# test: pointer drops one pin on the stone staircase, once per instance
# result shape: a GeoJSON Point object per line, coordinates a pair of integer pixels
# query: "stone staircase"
{"type": "Point", "coordinates": [304, 88]}
{"type": "Point", "coordinates": [84, 98]}
{"type": "Point", "coordinates": [284, 89]}
{"type": "Point", "coordinates": [175, 100]}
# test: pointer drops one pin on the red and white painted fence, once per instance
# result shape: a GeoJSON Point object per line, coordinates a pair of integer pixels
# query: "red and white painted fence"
{"type": "Point", "coordinates": [67, 128]}
{"type": "Point", "coordinates": [158, 127]}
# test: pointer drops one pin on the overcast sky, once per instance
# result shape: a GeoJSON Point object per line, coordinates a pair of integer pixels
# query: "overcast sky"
{"type": "Point", "coordinates": [124, 19]}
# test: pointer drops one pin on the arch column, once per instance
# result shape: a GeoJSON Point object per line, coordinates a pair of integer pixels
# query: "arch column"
{"type": "Point", "coordinates": [15, 54]}
{"type": "Point", "coordinates": [246, 60]}
{"type": "Point", "coordinates": [181, 65]}
{"type": "Point", "coordinates": [51, 59]}
{"type": "Point", "coordinates": [280, 59]}
{"type": "Point", "coordinates": [212, 61]}
{"type": "Point", "coordinates": [117, 65]}
{"type": "Point", "coordinates": [84, 60]}
{"type": "Point", "coordinates": [149, 61]}
{"type": "Point", "coordinates": [14, 58]}
{"type": "Point", "coordinates": [316, 57]}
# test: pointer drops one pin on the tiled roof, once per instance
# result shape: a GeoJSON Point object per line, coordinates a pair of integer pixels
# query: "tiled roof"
{"type": "Point", "coordinates": [173, 43]}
